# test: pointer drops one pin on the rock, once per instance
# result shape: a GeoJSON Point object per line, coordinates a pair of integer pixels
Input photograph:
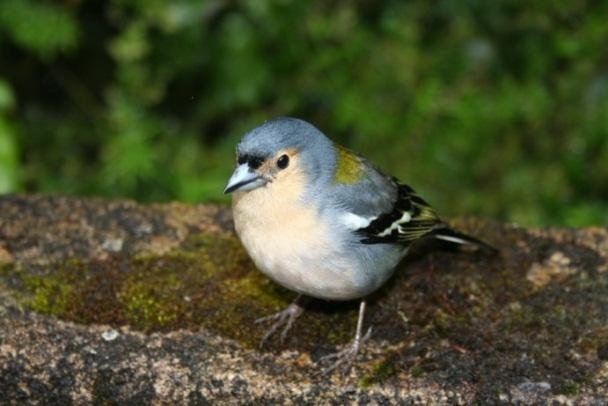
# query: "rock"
{"type": "Point", "coordinates": [529, 392]}
{"type": "Point", "coordinates": [110, 301]}
{"type": "Point", "coordinates": [556, 267]}
{"type": "Point", "coordinates": [5, 257]}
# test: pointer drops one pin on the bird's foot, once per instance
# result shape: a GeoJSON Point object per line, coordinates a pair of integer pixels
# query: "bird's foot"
{"type": "Point", "coordinates": [345, 358]}
{"type": "Point", "coordinates": [284, 318]}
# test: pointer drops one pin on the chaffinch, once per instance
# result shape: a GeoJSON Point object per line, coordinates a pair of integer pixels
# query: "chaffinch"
{"type": "Point", "coordinates": [323, 221]}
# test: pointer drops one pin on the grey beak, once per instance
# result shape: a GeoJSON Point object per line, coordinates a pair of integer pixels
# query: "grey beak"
{"type": "Point", "coordinates": [243, 179]}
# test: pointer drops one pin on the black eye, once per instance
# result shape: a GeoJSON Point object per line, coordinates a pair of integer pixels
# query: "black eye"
{"type": "Point", "coordinates": [283, 162]}
{"type": "Point", "coordinates": [242, 159]}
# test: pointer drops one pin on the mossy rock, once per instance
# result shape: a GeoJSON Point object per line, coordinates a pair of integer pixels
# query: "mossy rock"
{"type": "Point", "coordinates": [479, 326]}
{"type": "Point", "coordinates": [209, 282]}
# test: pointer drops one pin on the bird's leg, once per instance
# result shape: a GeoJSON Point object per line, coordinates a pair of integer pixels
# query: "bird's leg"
{"type": "Point", "coordinates": [284, 318]}
{"type": "Point", "coordinates": [347, 356]}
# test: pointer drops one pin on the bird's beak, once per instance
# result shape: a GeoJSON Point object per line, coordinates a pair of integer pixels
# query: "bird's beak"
{"type": "Point", "coordinates": [243, 179]}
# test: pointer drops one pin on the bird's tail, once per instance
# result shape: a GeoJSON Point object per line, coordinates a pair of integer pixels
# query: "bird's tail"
{"type": "Point", "coordinates": [452, 236]}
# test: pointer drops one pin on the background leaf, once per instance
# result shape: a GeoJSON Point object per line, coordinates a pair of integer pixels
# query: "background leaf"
{"type": "Point", "coordinates": [487, 108]}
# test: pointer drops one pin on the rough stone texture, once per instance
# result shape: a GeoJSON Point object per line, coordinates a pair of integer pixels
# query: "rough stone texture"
{"type": "Point", "coordinates": [99, 303]}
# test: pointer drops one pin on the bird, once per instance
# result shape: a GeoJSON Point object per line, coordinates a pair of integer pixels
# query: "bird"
{"type": "Point", "coordinates": [324, 222]}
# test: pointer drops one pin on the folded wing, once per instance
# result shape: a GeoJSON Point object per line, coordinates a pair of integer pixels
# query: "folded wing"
{"type": "Point", "coordinates": [409, 219]}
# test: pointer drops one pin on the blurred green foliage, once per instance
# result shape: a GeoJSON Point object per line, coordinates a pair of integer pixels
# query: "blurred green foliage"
{"type": "Point", "coordinates": [497, 108]}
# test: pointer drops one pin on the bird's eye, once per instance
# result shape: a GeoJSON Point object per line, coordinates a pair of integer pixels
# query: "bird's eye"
{"type": "Point", "coordinates": [283, 162]}
{"type": "Point", "coordinates": [242, 159]}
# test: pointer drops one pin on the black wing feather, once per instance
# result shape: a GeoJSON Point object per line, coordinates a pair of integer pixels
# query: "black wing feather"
{"type": "Point", "coordinates": [411, 218]}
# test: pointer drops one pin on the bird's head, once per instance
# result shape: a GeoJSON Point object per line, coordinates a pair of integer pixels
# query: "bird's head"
{"type": "Point", "coordinates": [280, 152]}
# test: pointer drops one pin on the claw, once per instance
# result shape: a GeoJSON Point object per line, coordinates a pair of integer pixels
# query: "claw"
{"type": "Point", "coordinates": [274, 316]}
{"type": "Point", "coordinates": [284, 318]}
{"type": "Point", "coordinates": [346, 357]}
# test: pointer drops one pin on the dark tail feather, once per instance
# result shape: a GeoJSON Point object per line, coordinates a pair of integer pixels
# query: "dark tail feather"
{"type": "Point", "coordinates": [449, 235]}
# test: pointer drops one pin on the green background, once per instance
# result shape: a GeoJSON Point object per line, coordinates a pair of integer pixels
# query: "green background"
{"type": "Point", "coordinates": [495, 108]}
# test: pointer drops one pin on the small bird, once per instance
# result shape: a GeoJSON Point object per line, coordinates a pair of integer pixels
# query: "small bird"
{"type": "Point", "coordinates": [322, 221]}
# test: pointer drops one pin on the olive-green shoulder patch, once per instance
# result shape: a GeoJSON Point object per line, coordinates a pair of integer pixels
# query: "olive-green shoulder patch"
{"type": "Point", "coordinates": [348, 166]}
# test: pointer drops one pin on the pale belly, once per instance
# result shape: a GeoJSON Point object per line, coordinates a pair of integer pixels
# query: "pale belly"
{"type": "Point", "coordinates": [289, 245]}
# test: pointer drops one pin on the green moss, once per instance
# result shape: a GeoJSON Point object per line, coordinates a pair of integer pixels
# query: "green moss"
{"type": "Point", "coordinates": [146, 306]}
{"type": "Point", "coordinates": [441, 320]}
{"type": "Point", "coordinates": [207, 282]}
{"type": "Point", "coordinates": [6, 270]}
{"type": "Point", "coordinates": [46, 294]}
{"type": "Point", "coordinates": [570, 389]}
{"type": "Point", "coordinates": [416, 371]}
{"type": "Point", "coordinates": [49, 295]}
{"type": "Point", "coordinates": [380, 372]}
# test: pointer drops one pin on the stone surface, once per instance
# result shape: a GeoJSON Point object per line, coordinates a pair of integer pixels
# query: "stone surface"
{"type": "Point", "coordinates": [109, 301]}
